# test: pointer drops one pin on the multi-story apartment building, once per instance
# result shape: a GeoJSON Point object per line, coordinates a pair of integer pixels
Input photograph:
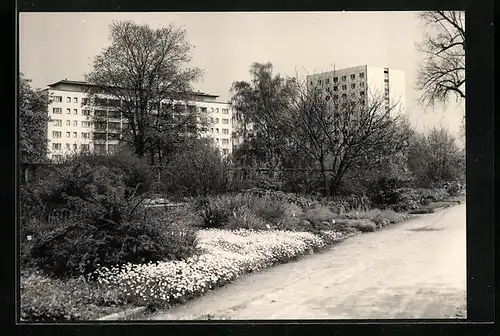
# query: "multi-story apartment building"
{"type": "Point", "coordinates": [78, 125]}
{"type": "Point", "coordinates": [362, 83]}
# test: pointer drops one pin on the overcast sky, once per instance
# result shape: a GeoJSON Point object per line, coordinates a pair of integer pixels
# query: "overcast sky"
{"type": "Point", "coordinates": [54, 46]}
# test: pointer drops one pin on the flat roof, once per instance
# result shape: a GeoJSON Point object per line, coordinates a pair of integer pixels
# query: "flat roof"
{"type": "Point", "coordinates": [81, 83]}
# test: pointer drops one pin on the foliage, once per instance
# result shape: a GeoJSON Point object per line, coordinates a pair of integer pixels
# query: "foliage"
{"type": "Point", "coordinates": [108, 224]}
{"type": "Point", "coordinates": [33, 119]}
{"type": "Point", "coordinates": [48, 300]}
{"type": "Point", "coordinates": [435, 159]}
{"type": "Point", "coordinates": [144, 69]}
{"type": "Point", "coordinates": [443, 72]}
{"type": "Point", "coordinates": [364, 225]}
{"type": "Point", "coordinates": [393, 216]}
{"type": "Point", "coordinates": [319, 215]}
{"type": "Point", "coordinates": [199, 170]}
{"type": "Point", "coordinates": [453, 189]}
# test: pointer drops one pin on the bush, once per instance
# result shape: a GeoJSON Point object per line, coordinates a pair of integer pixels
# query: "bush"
{"type": "Point", "coordinates": [453, 189]}
{"type": "Point", "coordinates": [246, 219]}
{"type": "Point", "coordinates": [109, 226]}
{"type": "Point", "coordinates": [364, 225]}
{"type": "Point", "coordinates": [319, 215]}
{"type": "Point", "coordinates": [422, 211]}
{"type": "Point", "coordinates": [380, 220]}
{"type": "Point", "coordinates": [198, 170]}
{"type": "Point", "coordinates": [392, 216]}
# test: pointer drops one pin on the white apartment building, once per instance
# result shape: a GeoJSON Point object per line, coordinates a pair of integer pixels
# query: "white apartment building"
{"type": "Point", "coordinates": [73, 129]}
{"type": "Point", "coordinates": [363, 83]}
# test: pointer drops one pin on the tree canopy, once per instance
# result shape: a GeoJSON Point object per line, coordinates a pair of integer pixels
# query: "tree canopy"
{"type": "Point", "coordinates": [33, 119]}
{"type": "Point", "coordinates": [145, 71]}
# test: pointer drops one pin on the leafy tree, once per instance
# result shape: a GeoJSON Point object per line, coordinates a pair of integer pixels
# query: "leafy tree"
{"type": "Point", "coordinates": [258, 107]}
{"type": "Point", "coordinates": [443, 72]}
{"type": "Point", "coordinates": [33, 119]}
{"type": "Point", "coordinates": [435, 158]}
{"type": "Point", "coordinates": [144, 71]}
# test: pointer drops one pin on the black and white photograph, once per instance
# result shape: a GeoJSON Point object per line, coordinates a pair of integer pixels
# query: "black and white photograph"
{"type": "Point", "coordinates": [240, 165]}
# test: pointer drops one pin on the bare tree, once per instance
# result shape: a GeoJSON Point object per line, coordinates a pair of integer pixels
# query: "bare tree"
{"type": "Point", "coordinates": [443, 72]}
{"type": "Point", "coordinates": [144, 72]}
{"type": "Point", "coordinates": [341, 133]}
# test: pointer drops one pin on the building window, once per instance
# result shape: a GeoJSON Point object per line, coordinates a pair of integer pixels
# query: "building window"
{"type": "Point", "coordinates": [319, 82]}
{"type": "Point", "coordinates": [68, 134]}
{"type": "Point", "coordinates": [225, 151]}
{"type": "Point", "coordinates": [343, 78]}
{"type": "Point", "coordinates": [57, 122]}
{"type": "Point", "coordinates": [362, 93]}
{"type": "Point", "coordinates": [58, 99]}
{"type": "Point", "coordinates": [114, 114]}
{"type": "Point", "coordinates": [216, 120]}
{"type": "Point", "coordinates": [75, 134]}
{"type": "Point", "coordinates": [217, 140]}
{"type": "Point", "coordinates": [56, 146]}
{"type": "Point", "coordinates": [57, 157]}
{"type": "Point", "coordinates": [84, 147]}
{"type": "Point", "coordinates": [327, 81]}
{"type": "Point", "coordinates": [353, 85]}
{"type": "Point", "coordinates": [56, 134]}
{"type": "Point", "coordinates": [217, 130]}
{"type": "Point", "coordinates": [335, 79]}
{"type": "Point", "coordinates": [225, 121]}
{"type": "Point", "coordinates": [85, 101]}
{"type": "Point", "coordinates": [86, 112]}
{"type": "Point", "coordinates": [68, 111]}
{"type": "Point", "coordinates": [68, 99]}
{"type": "Point", "coordinates": [75, 100]}
{"type": "Point", "coordinates": [85, 135]}
{"type": "Point", "coordinates": [100, 148]}
{"type": "Point", "coordinates": [211, 130]}
{"type": "Point", "coordinates": [100, 113]}
{"type": "Point", "coordinates": [225, 131]}
{"type": "Point", "coordinates": [86, 124]}
{"type": "Point", "coordinates": [335, 97]}
{"type": "Point", "coordinates": [225, 141]}
{"type": "Point", "coordinates": [335, 88]}
{"type": "Point", "coordinates": [75, 123]}
{"type": "Point", "coordinates": [217, 110]}
{"type": "Point", "coordinates": [57, 110]}
{"type": "Point", "coordinates": [75, 147]}
{"type": "Point", "coordinates": [344, 96]}
{"type": "Point", "coordinates": [68, 146]}
{"type": "Point", "coordinates": [203, 109]}
{"type": "Point", "coordinates": [68, 122]}
{"type": "Point", "coordinates": [75, 111]}
{"type": "Point", "coordinates": [344, 87]}
{"type": "Point", "coordinates": [225, 111]}
{"type": "Point", "coordinates": [361, 75]}
{"type": "Point", "coordinates": [362, 84]}
{"type": "Point", "coordinates": [311, 83]}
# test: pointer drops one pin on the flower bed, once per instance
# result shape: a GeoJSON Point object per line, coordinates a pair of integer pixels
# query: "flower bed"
{"type": "Point", "coordinates": [226, 256]}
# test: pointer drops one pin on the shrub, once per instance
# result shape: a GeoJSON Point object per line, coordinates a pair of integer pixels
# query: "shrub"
{"type": "Point", "coordinates": [319, 215]}
{"type": "Point", "coordinates": [214, 214]}
{"type": "Point", "coordinates": [453, 189]}
{"type": "Point", "coordinates": [364, 225]}
{"type": "Point", "coordinates": [380, 221]}
{"type": "Point", "coordinates": [246, 219]}
{"type": "Point", "coordinates": [108, 227]}
{"type": "Point", "coordinates": [422, 211]}
{"type": "Point", "coordinates": [392, 216]}
{"type": "Point", "coordinates": [198, 170]}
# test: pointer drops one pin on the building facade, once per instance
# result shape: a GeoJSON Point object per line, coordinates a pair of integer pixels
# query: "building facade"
{"type": "Point", "coordinates": [77, 125]}
{"type": "Point", "coordinates": [364, 83]}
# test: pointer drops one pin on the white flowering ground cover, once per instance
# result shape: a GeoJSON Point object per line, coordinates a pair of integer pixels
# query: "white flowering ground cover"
{"type": "Point", "coordinates": [225, 255]}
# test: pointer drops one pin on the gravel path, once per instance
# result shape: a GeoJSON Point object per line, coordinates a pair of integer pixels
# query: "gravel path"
{"type": "Point", "coordinates": [415, 269]}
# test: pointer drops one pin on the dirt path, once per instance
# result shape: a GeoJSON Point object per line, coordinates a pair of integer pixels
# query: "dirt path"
{"type": "Point", "coordinates": [415, 269]}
